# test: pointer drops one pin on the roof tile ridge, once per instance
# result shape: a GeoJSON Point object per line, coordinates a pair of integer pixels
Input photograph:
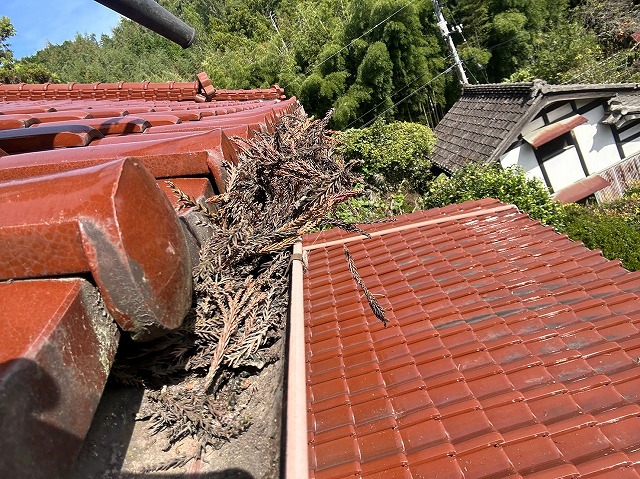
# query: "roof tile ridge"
{"type": "Point", "coordinates": [419, 224]}
{"type": "Point", "coordinates": [511, 89]}
{"type": "Point", "coordinates": [572, 87]}
{"type": "Point", "coordinates": [188, 90]}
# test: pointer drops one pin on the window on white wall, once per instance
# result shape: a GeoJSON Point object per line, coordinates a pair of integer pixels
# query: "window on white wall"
{"type": "Point", "coordinates": [564, 169]}
{"type": "Point", "coordinates": [554, 147]}
{"type": "Point", "coordinates": [630, 139]}
{"type": "Point", "coordinates": [559, 112]}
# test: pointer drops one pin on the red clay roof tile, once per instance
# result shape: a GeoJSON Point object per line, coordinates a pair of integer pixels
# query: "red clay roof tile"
{"type": "Point", "coordinates": [83, 222]}
{"type": "Point", "coordinates": [56, 349]}
{"type": "Point", "coordinates": [77, 162]}
{"type": "Point", "coordinates": [198, 154]}
{"type": "Point", "coordinates": [510, 350]}
{"type": "Point", "coordinates": [21, 140]}
{"type": "Point", "coordinates": [118, 125]}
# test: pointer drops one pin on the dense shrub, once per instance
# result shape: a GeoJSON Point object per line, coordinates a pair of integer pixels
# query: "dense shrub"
{"type": "Point", "coordinates": [614, 234]}
{"type": "Point", "coordinates": [372, 206]}
{"type": "Point", "coordinates": [392, 154]}
{"type": "Point", "coordinates": [474, 182]}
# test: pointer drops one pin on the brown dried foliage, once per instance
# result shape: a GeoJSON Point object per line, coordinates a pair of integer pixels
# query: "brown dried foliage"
{"type": "Point", "coordinates": [285, 184]}
{"type": "Point", "coordinates": [377, 310]}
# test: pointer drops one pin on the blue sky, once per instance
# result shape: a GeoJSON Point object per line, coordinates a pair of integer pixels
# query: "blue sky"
{"type": "Point", "coordinates": [40, 21]}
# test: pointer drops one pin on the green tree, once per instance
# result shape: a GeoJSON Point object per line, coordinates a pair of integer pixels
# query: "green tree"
{"type": "Point", "coordinates": [371, 92]}
{"type": "Point", "coordinates": [502, 32]}
{"type": "Point", "coordinates": [366, 59]}
{"type": "Point", "coordinates": [7, 30]}
{"type": "Point", "coordinates": [12, 71]}
{"type": "Point", "coordinates": [560, 53]}
{"type": "Point", "coordinates": [372, 58]}
{"type": "Point", "coordinates": [511, 43]}
{"type": "Point", "coordinates": [409, 35]}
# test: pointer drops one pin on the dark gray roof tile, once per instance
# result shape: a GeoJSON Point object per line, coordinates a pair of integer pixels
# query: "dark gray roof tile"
{"type": "Point", "coordinates": [487, 118]}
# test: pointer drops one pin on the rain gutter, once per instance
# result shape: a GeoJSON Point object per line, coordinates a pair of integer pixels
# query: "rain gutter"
{"type": "Point", "coordinates": [296, 452]}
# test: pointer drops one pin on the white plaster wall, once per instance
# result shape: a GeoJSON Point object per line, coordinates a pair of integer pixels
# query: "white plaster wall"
{"type": "Point", "coordinates": [596, 142]}
{"type": "Point", "coordinates": [560, 112]}
{"type": "Point", "coordinates": [595, 115]}
{"type": "Point", "coordinates": [564, 169]}
{"type": "Point", "coordinates": [631, 147]}
{"type": "Point", "coordinates": [524, 157]}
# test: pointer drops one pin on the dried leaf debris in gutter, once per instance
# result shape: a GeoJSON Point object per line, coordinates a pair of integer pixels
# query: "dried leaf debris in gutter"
{"type": "Point", "coordinates": [285, 184]}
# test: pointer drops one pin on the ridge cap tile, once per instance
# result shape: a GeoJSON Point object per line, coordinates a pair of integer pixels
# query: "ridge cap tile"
{"type": "Point", "coordinates": [75, 115]}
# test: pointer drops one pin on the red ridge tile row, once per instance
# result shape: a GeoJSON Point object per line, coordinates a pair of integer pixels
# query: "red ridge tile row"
{"type": "Point", "coordinates": [511, 351]}
{"type": "Point", "coordinates": [87, 219]}
{"type": "Point", "coordinates": [200, 154]}
{"type": "Point", "coordinates": [111, 221]}
{"type": "Point", "coordinates": [57, 350]}
{"type": "Point", "coordinates": [201, 90]}
{"type": "Point", "coordinates": [109, 91]}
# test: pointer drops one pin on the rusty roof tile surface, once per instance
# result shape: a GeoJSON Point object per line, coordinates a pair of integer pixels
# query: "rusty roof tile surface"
{"type": "Point", "coordinates": [92, 237]}
{"type": "Point", "coordinates": [581, 189]}
{"type": "Point", "coordinates": [510, 352]}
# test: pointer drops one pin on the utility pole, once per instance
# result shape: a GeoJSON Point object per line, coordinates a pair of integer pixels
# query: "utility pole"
{"type": "Point", "coordinates": [442, 25]}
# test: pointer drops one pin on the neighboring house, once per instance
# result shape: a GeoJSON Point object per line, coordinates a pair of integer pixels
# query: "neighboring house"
{"type": "Point", "coordinates": [577, 139]}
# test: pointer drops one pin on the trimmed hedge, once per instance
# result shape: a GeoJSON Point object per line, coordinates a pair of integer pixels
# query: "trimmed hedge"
{"type": "Point", "coordinates": [392, 154]}
{"type": "Point", "coordinates": [616, 236]}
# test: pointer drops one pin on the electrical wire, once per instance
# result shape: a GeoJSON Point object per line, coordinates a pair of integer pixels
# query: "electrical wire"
{"type": "Point", "coordinates": [397, 92]}
{"type": "Point", "coordinates": [600, 63]}
{"type": "Point", "coordinates": [470, 72]}
{"type": "Point", "coordinates": [411, 94]}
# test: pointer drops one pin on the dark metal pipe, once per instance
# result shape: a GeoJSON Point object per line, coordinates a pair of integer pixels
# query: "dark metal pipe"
{"type": "Point", "coordinates": [151, 15]}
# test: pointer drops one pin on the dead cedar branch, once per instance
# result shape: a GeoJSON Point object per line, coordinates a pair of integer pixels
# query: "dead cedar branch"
{"type": "Point", "coordinates": [284, 185]}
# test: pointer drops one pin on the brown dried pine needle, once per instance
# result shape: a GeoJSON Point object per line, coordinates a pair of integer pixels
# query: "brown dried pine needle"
{"type": "Point", "coordinates": [378, 310]}
{"type": "Point", "coordinates": [285, 184]}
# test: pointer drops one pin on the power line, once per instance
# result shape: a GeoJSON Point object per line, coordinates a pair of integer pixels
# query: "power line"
{"type": "Point", "coordinates": [600, 63]}
{"type": "Point", "coordinates": [412, 93]}
{"type": "Point", "coordinates": [471, 73]}
{"type": "Point", "coordinates": [394, 94]}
